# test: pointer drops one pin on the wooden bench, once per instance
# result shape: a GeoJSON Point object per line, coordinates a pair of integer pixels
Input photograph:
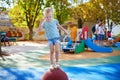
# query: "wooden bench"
{"type": "Point", "coordinates": [10, 36]}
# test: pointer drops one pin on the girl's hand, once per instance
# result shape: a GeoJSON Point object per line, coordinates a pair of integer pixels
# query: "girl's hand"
{"type": "Point", "coordinates": [67, 32]}
{"type": "Point", "coordinates": [37, 30]}
{"type": "Point", "coordinates": [40, 25]}
{"type": "Point", "coordinates": [42, 20]}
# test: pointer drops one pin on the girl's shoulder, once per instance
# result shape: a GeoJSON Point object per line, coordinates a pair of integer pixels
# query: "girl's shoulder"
{"type": "Point", "coordinates": [55, 20]}
{"type": "Point", "coordinates": [43, 23]}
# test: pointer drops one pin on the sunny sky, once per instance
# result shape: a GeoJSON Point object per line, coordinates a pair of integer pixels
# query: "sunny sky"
{"type": "Point", "coordinates": [3, 4]}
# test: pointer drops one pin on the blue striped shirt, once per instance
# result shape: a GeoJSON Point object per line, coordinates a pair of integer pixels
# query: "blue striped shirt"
{"type": "Point", "coordinates": [51, 29]}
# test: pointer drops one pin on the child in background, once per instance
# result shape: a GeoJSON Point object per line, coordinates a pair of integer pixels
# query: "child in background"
{"type": "Point", "coordinates": [73, 33]}
{"type": "Point", "coordinates": [51, 27]}
{"type": "Point", "coordinates": [98, 22]}
{"type": "Point", "coordinates": [101, 33]}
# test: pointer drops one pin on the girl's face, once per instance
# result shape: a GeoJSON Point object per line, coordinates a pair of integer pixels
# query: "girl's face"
{"type": "Point", "coordinates": [48, 16]}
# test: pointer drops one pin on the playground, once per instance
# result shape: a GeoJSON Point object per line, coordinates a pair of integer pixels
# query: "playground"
{"type": "Point", "coordinates": [86, 32]}
{"type": "Point", "coordinates": [29, 61]}
{"type": "Point", "coordinates": [83, 59]}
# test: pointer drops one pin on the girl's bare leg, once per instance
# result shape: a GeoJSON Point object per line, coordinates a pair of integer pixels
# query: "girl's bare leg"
{"type": "Point", "coordinates": [57, 52]}
{"type": "Point", "coordinates": [51, 56]}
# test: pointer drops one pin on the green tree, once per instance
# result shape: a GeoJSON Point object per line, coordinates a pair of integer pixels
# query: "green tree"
{"type": "Point", "coordinates": [7, 3]}
{"type": "Point", "coordinates": [26, 12]}
{"type": "Point", "coordinates": [61, 8]}
{"type": "Point", "coordinates": [95, 11]}
{"type": "Point", "coordinates": [31, 10]}
{"type": "Point", "coordinates": [111, 9]}
{"type": "Point", "coordinates": [101, 9]}
{"type": "Point", "coordinates": [4, 8]}
{"type": "Point", "coordinates": [17, 16]}
{"type": "Point", "coordinates": [87, 12]}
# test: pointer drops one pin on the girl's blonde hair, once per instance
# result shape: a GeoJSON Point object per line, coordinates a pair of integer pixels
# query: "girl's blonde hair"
{"type": "Point", "coordinates": [47, 10]}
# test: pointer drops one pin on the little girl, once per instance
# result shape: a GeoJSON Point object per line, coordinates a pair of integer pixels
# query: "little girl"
{"type": "Point", "coordinates": [51, 27]}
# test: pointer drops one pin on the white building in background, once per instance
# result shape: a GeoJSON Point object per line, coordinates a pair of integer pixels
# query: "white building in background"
{"type": "Point", "coordinates": [115, 30]}
{"type": "Point", "coordinates": [4, 19]}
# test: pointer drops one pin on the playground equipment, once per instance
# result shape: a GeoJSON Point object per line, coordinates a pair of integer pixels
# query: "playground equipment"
{"type": "Point", "coordinates": [97, 48]}
{"type": "Point", "coordinates": [73, 47]}
{"type": "Point", "coordinates": [80, 47]}
{"type": "Point", "coordinates": [56, 74]}
{"type": "Point", "coordinates": [117, 44]}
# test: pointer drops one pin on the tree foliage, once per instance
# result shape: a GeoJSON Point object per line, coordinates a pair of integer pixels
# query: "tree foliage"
{"type": "Point", "coordinates": [26, 12]}
{"type": "Point", "coordinates": [93, 9]}
{"type": "Point", "coordinates": [87, 12]}
{"type": "Point", "coordinates": [17, 16]}
{"type": "Point", "coordinates": [31, 10]}
{"type": "Point", "coordinates": [7, 3]}
{"type": "Point", "coordinates": [111, 9]}
{"type": "Point", "coordinates": [61, 8]}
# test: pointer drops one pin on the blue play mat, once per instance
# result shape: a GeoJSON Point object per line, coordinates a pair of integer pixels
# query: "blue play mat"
{"type": "Point", "coordinates": [28, 65]}
{"type": "Point", "coordinates": [99, 72]}
{"type": "Point", "coordinates": [116, 48]}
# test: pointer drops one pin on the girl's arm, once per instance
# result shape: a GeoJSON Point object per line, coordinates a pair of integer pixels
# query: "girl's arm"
{"type": "Point", "coordinates": [40, 25]}
{"type": "Point", "coordinates": [63, 29]}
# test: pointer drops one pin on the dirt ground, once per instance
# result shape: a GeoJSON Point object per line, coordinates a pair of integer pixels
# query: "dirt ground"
{"type": "Point", "coordinates": [71, 56]}
{"type": "Point", "coordinates": [84, 55]}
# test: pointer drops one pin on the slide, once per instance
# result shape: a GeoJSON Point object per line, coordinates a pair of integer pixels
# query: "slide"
{"type": "Point", "coordinates": [80, 48]}
{"type": "Point", "coordinates": [68, 47]}
{"type": "Point", "coordinates": [117, 44]}
{"type": "Point", "coordinates": [97, 48]}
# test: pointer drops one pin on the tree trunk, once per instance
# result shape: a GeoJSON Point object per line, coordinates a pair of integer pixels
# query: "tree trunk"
{"type": "Point", "coordinates": [30, 33]}
{"type": "Point", "coordinates": [108, 23]}
{"type": "Point", "coordinates": [0, 45]}
{"type": "Point", "coordinates": [111, 26]}
{"type": "Point", "coordinates": [1, 50]}
{"type": "Point", "coordinates": [80, 23]}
